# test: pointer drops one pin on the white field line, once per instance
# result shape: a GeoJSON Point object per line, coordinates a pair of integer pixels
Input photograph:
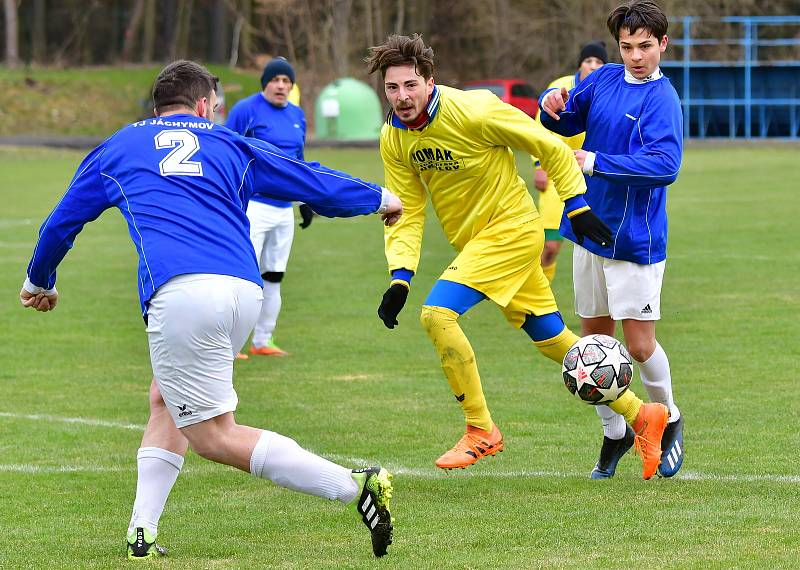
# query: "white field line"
{"type": "Point", "coordinates": [28, 468]}
{"type": "Point", "coordinates": [82, 421]}
{"type": "Point", "coordinates": [435, 473]}
{"type": "Point", "coordinates": [12, 223]}
{"type": "Point", "coordinates": [419, 472]}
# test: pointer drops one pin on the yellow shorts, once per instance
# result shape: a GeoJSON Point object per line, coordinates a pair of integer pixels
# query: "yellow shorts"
{"type": "Point", "coordinates": [550, 207]}
{"type": "Point", "coordinates": [504, 263]}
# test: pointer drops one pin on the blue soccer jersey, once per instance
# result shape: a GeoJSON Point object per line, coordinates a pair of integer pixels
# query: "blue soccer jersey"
{"type": "Point", "coordinates": [636, 133]}
{"type": "Point", "coordinates": [284, 127]}
{"type": "Point", "coordinates": [183, 183]}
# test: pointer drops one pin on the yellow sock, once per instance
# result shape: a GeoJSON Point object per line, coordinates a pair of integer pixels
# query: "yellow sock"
{"type": "Point", "coordinates": [627, 405]}
{"type": "Point", "coordinates": [550, 271]}
{"type": "Point", "coordinates": [458, 363]}
{"type": "Point", "coordinates": [556, 347]}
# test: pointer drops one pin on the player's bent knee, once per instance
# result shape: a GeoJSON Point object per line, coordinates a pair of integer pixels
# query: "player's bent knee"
{"type": "Point", "coordinates": [206, 439]}
{"type": "Point", "coordinates": [210, 448]}
{"type": "Point", "coordinates": [272, 276]}
{"type": "Point", "coordinates": [543, 327]}
{"type": "Point", "coordinates": [641, 351]}
{"type": "Point", "coordinates": [432, 318]}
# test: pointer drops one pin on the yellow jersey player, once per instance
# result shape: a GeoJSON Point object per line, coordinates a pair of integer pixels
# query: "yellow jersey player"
{"type": "Point", "coordinates": [593, 56]}
{"type": "Point", "coordinates": [456, 147]}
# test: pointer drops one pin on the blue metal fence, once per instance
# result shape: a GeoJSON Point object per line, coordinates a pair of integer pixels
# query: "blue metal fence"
{"type": "Point", "coordinates": [755, 94]}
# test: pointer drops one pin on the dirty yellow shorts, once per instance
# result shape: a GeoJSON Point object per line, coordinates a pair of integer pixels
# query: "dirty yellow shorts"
{"type": "Point", "coordinates": [503, 262]}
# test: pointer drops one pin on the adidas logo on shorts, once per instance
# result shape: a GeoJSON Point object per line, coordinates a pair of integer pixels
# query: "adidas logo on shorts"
{"type": "Point", "coordinates": [647, 310]}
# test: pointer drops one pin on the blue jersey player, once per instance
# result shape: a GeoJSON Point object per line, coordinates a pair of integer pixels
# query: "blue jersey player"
{"type": "Point", "coordinates": [633, 148]}
{"type": "Point", "coordinates": [269, 116]}
{"type": "Point", "coordinates": [182, 183]}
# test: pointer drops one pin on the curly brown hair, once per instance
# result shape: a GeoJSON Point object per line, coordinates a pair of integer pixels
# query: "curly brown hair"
{"type": "Point", "coordinates": [401, 50]}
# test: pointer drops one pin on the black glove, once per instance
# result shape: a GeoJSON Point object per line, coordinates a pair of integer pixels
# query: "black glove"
{"type": "Point", "coordinates": [392, 303]}
{"type": "Point", "coordinates": [587, 224]}
{"type": "Point", "coordinates": [307, 214]}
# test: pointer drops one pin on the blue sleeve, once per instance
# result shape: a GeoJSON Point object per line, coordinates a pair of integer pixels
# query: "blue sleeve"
{"type": "Point", "coordinates": [329, 192]}
{"type": "Point", "coordinates": [84, 200]}
{"type": "Point", "coordinates": [573, 118]}
{"type": "Point", "coordinates": [303, 127]}
{"type": "Point", "coordinates": [237, 118]}
{"type": "Point", "coordinates": [658, 160]}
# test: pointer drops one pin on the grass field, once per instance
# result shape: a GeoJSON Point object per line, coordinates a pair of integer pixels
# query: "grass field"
{"type": "Point", "coordinates": [74, 400]}
{"type": "Point", "coordinates": [91, 101]}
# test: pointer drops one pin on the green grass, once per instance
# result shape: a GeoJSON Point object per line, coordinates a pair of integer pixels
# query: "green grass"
{"type": "Point", "coordinates": [360, 394]}
{"type": "Point", "coordinates": [93, 101]}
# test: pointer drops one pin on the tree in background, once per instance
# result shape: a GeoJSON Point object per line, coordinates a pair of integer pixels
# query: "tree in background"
{"type": "Point", "coordinates": [326, 39]}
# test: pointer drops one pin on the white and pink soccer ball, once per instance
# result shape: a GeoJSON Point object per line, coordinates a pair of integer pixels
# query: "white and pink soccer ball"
{"type": "Point", "coordinates": [597, 369]}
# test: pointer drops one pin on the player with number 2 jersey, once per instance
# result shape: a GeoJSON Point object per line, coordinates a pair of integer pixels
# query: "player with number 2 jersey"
{"type": "Point", "coordinates": [166, 175]}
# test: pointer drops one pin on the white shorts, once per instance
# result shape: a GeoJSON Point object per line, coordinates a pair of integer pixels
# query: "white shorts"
{"type": "Point", "coordinates": [195, 326]}
{"type": "Point", "coordinates": [619, 289]}
{"type": "Point", "coordinates": [271, 231]}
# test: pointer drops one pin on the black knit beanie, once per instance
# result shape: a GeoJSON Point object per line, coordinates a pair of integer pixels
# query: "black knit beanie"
{"type": "Point", "coordinates": [593, 49]}
{"type": "Point", "coordinates": [278, 66]}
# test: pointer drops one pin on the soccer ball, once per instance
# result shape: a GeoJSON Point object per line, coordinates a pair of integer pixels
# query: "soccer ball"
{"type": "Point", "coordinates": [597, 369]}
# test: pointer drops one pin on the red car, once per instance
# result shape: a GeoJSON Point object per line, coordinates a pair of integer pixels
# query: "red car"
{"type": "Point", "coordinates": [517, 92]}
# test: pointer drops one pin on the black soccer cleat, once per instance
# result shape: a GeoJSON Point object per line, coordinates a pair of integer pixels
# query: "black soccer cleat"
{"type": "Point", "coordinates": [373, 506]}
{"type": "Point", "coordinates": [610, 454]}
{"type": "Point", "coordinates": [141, 545]}
{"type": "Point", "coordinates": [672, 449]}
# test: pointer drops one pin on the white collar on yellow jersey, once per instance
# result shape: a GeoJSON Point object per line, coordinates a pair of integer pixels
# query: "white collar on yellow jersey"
{"type": "Point", "coordinates": [431, 109]}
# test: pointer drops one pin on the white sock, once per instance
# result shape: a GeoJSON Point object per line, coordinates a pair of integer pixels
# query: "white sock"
{"type": "Point", "coordinates": [613, 423]}
{"type": "Point", "coordinates": [158, 469]}
{"type": "Point", "coordinates": [658, 381]}
{"type": "Point", "coordinates": [268, 317]}
{"type": "Point", "coordinates": [282, 461]}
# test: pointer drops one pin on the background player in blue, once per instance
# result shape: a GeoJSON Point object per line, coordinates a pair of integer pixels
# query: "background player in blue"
{"type": "Point", "coordinates": [182, 184]}
{"type": "Point", "coordinates": [269, 116]}
{"type": "Point", "coordinates": [633, 149]}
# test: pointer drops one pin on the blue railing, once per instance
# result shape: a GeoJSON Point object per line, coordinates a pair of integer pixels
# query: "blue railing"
{"type": "Point", "coordinates": [751, 95]}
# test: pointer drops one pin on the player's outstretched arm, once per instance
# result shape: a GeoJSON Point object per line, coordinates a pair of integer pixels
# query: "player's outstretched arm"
{"type": "Point", "coordinates": [391, 209]}
{"type": "Point", "coordinates": [331, 193]}
{"type": "Point", "coordinates": [84, 200]}
{"type": "Point", "coordinates": [504, 125]}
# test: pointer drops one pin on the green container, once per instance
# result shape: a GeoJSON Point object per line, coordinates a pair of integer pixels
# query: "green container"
{"type": "Point", "coordinates": [348, 110]}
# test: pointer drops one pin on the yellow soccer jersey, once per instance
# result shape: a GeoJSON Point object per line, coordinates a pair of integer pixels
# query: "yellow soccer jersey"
{"type": "Point", "coordinates": [463, 159]}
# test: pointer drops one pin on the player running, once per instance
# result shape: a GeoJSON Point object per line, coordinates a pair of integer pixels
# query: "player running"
{"type": "Point", "coordinates": [456, 146]}
{"type": "Point", "coordinates": [182, 184]}
{"type": "Point", "coordinates": [633, 148]}
{"type": "Point", "coordinates": [592, 56]}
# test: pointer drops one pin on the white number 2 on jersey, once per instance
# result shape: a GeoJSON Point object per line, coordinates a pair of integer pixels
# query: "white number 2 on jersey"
{"type": "Point", "coordinates": [177, 163]}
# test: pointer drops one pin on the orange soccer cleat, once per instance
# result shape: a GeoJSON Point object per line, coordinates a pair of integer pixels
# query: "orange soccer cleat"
{"type": "Point", "coordinates": [270, 349]}
{"type": "Point", "coordinates": [649, 427]}
{"type": "Point", "coordinates": [473, 445]}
